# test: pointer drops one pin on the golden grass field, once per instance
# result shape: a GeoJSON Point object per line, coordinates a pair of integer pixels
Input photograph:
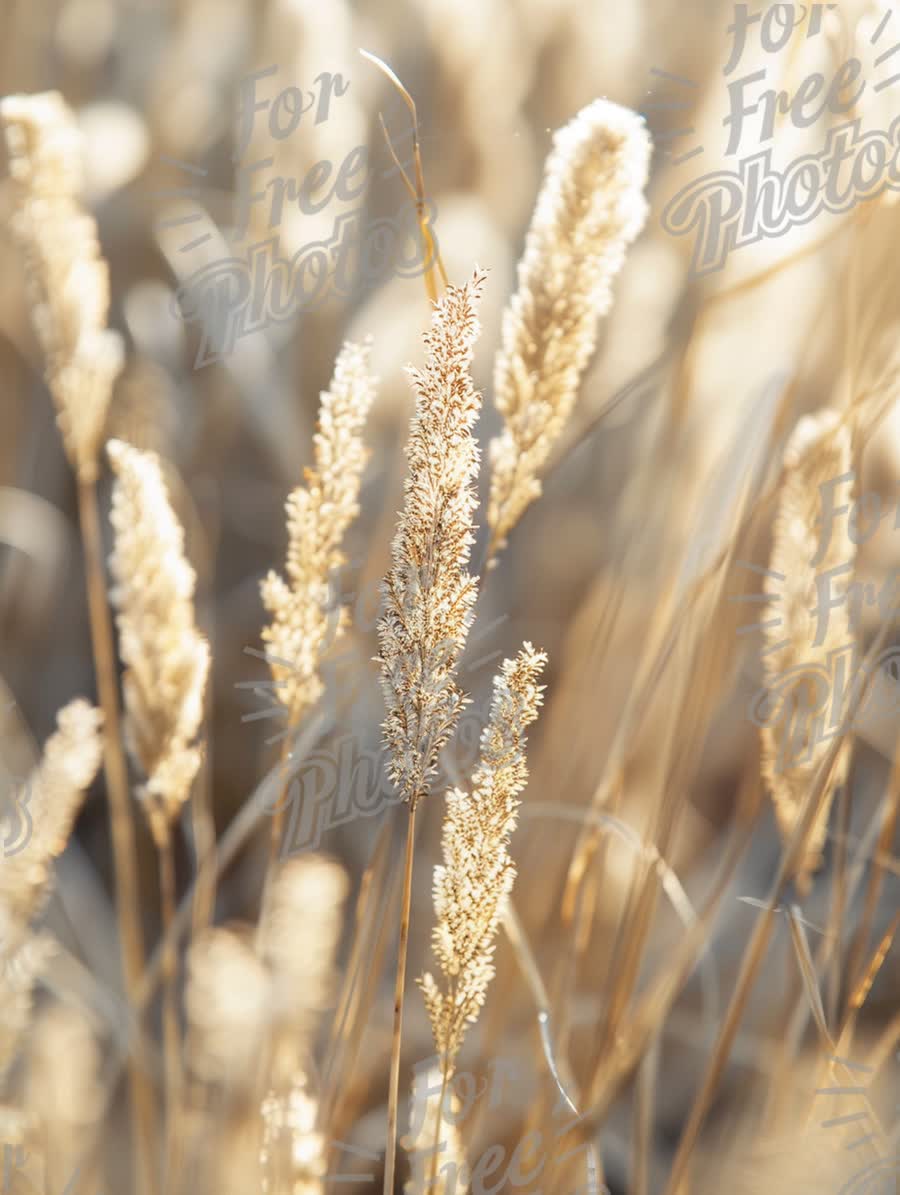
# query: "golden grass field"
{"type": "Point", "coordinates": [450, 536]}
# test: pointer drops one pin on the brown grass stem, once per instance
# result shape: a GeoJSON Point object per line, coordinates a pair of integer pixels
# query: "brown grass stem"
{"type": "Point", "coordinates": [120, 815]}
{"type": "Point", "coordinates": [171, 1035]}
{"type": "Point", "coordinates": [399, 989]}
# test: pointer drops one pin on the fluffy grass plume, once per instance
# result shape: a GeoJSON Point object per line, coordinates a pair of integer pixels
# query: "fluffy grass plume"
{"type": "Point", "coordinates": [67, 280]}
{"type": "Point", "coordinates": [166, 658]}
{"type": "Point", "coordinates": [590, 208]}
{"type": "Point", "coordinates": [429, 592]}
{"type": "Point", "coordinates": [318, 515]}
{"type": "Point", "coordinates": [50, 802]}
{"type": "Point", "coordinates": [477, 872]}
{"type": "Point", "coordinates": [818, 453]}
{"type": "Point", "coordinates": [52, 799]}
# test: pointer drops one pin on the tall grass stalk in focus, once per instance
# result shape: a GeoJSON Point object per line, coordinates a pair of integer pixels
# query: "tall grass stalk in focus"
{"type": "Point", "coordinates": [429, 594]}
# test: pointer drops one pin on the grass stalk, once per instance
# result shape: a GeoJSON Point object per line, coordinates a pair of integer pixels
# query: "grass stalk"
{"type": "Point", "coordinates": [120, 816]}
{"type": "Point", "coordinates": [399, 989]}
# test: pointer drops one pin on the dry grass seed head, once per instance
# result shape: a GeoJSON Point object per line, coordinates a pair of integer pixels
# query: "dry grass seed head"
{"type": "Point", "coordinates": [67, 280]}
{"type": "Point", "coordinates": [428, 591]}
{"type": "Point", "coordinates": [166, 659]}
{"type": "Point", "coordinates": [51, 800]}
{"type": "Point", "coordinates": [477, 872]}
{"type": "Point", "coordinates": [590, 208]}
{"type": "Point", "coordinates": [318, 516]}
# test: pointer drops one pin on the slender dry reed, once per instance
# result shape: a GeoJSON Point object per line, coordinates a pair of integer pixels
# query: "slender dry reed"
{"type": "Point", "coordinates": [429, 592]}
{"type": "Point", "coordinates": [590, 208]}
{"type": "Point", "coordinates": [415, 187]}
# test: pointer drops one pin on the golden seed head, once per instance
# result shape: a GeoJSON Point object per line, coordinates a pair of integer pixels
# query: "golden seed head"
{"type": "Point", "coordinates": [590, 208]}
{"type": "Point", "coordinates": [67, 280]}
{"type": "Point", "coordinates": [318, 516]}
{"type": "Point", "coordinates": [477, 872]}
{"type": "Point", "coordinates": [166, 659]}
{"type": "Point", "coordinates": [428, 591]}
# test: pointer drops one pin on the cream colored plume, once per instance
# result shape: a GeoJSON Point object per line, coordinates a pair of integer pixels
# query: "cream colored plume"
{"type": "Point", "coordinates": [477, 872]}
{"type": "Point", "coordinates": [67, 280]}
{"type": "Point", "coordinates": [47, 805]}
{"type": "Point", "coordinates": [319, 514]}
{"type": "Point", "coordinates": [165, 657]}
{"type": "Point", "coordinates": [428, 591]}
{"type": "Point", "coordinates": [590, 208]}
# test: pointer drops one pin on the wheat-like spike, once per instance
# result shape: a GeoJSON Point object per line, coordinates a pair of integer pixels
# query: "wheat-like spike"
{"type": "Point", "coordinates": [318, 515]}
{"type": "Point", "coordinates": [428, 590]}
{"type": "Point", "coordinates": [166, 658]}
{"type": "Point", "coordinates": [590, 208]}
{"type": "Point", "coordinates": [450, 1175]}
{"type": "Point", "coordinates": [67, 280]}
{"type": "Point", "coordinates": [818, 452]}
{"type": "Point", "coordinates": [48, 805]}
{"type": "Point", "coordinates": [477, 872]}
